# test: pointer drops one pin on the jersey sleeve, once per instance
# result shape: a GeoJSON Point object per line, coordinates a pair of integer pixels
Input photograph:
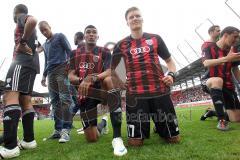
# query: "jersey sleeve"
{"type": "Point", "coordinates": [206, 53]}
{"type": "Point", "coordinates": [162, 49]}
{"type": "Point", "coordinates": [116, 56]}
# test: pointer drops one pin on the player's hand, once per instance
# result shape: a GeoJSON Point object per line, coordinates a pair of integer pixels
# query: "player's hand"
{"type": "Point", "coordinates": [43, 82]}
{"type": "Point", "coordinates": [39, 49]}
{"type": "Point", "coordinates": [168, 80]}
{"type": "Point", "coordinates": [84, 86]}
{"type": "Point", "coordinates": [24, 48]}
{"type": "Point", "coordinates": [89, 79]}
{"type": "Point", "coordinates": [233, 56]}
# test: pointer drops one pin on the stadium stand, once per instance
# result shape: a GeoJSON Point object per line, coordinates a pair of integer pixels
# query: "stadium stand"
{"type": "Point", "coordinates": [192, 94]}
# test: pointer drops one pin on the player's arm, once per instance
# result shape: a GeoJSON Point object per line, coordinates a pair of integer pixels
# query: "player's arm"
{"type": "Point", "coordinates": [39, 49]}
{"type": "Point", "coordinates": [104, 74]}
{"type": "Point", "coordinates": [116, 57]}
{"type": "Point", "coordinates": [214, 62]}
{"type": "Point", "coordinates": [170, 65]}
{"type": "Point", "coordinates": [73, 78]}
{"type": "Point", "coordinates": [209, 62]}
{"type": "Point", "coordinates": [29, 27]}
{"type": "Point", "coordinates": [169, 78]}
{"type": "Point", "coordinates": [89, 80]}
{"type": "Point", "coordinates": [29, 23]}
{"type": "Point", "coordinates": [92, 78]}
{"type": "Point", "coordinates": [166, 56]}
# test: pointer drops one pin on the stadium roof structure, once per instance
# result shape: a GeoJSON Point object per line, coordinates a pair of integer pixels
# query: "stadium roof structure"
{"type": "Point", "coordinates": [189, 72]}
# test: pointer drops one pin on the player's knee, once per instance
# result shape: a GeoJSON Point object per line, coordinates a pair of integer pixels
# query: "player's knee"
{"type": "Point", "coordinates": [135, 142]}
{"type": "Point", "coordinates": [10, 98]}
{"type": "Point", "coordinates": [173, 140]}
{"type": "Point", "coordinates": [25, 102]}
{"type": "Point", "coordinates": [214, 82]}
{"type": "Point", "coordinates": [91, 134]}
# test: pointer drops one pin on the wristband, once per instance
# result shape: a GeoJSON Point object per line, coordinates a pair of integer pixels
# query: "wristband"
{"type": "Point", "coordinates": [95, 78]}
{"type": "Point", "coordinates": [172, 74]}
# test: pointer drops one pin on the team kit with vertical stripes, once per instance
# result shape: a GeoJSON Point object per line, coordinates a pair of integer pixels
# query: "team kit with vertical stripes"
{"type": "Point", "coordinates": [224, 71]}
{"type": "Point", "coordinates": [24, 67]}
{"type": "Point", "coordinates": [86, 63]}
{"type": "Point", "coordinates": [144, 80]}
{"type": "Point", "coordinates": [147, 95]}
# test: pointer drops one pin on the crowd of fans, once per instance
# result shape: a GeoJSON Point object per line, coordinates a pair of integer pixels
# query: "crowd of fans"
{"type": "Point", "coordinates": [42, 110]}
{"type": "Point", "coordinates": [189, 95]}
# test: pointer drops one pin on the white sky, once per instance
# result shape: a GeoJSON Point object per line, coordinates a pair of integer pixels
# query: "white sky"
{"type": "Point", "coordinates": [174, 20]}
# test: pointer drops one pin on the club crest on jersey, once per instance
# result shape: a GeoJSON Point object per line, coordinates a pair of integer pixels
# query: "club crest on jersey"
{"type": "Point", "coordinates": [149, 41]}
{"type": "Point", "coordinates": [8, 80]}
{"type": "Point", "coordinates": [95, 58]}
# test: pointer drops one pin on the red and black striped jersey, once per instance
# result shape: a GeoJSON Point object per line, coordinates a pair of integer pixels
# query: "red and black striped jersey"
{"type": "Point", "coordinates": [143, 70]}
{"type": "Point", "coordinates": [94, 62]}
{"type": "Point", "coordinates": [224, 71]}
{"type": "Point", "coordinates": [206, 44]}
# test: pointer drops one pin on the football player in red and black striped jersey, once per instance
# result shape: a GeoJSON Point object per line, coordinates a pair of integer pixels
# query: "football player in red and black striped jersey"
{"type": "Point", "coordinates": [90, 69]}
{"type": "Point", "coordinates": [148, 89]}
{"type": "Point", "coordinates": [220, 61]}
{"type": "Point", "coordinates": [214, 33]}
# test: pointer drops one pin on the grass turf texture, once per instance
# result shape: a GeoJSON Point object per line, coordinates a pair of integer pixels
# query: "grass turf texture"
{"type": "Point", "coordinates": [200, 140]}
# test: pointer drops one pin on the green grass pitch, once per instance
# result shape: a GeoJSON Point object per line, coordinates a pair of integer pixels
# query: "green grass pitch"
{"type": "Point", "coordinates": [200, 140]}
